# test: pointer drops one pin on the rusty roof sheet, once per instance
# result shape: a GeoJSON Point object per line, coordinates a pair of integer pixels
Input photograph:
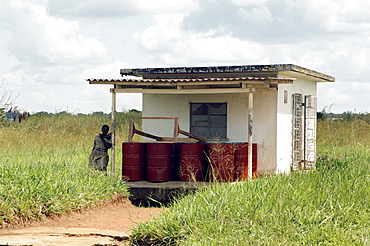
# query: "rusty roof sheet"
{"type": "Point", "coordinates": [233, 70]}
{"type": "Point", "coordinates": [189, 80]}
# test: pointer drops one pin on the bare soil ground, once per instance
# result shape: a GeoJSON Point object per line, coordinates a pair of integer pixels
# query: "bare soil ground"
{"type": "Point", "coordinates": [113, 222]}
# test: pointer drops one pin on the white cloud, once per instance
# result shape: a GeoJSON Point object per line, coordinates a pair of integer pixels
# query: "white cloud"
{"type": "Point", "coordinates": [354, 11]}
{"type": "Point", "coordinates": [163, 34]}
{"type": "Point", "coordinates": [48, 47]}
{"type": "Point", "coordinates": [104, 71]}
{"type": "Point", "coordinates": [117, 8]}
{"type": "Point", "coordinates": [170, 45]}
{"type": "Point", "coordinates": [225, 49]}
{"type": "Point", "coordinates": [256, 15]}
{"type": "Point", "coordinates": [166, 6]}
{"type": "Point", "coordinates": [247, 3]}
{"type": "Point", "coordinates": [339, 95]}
{"type": "Point", "coordinates": [42, 40]}
{"type": "Point", "coordinates": [284, 21]}
{"type": "Point", "coordinates": [91, 8]}
{"type": "Point", "coordinates": [344, 96]}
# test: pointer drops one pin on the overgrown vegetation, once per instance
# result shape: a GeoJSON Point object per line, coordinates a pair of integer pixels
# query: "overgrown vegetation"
{"type": "Point", "coordinates": [43, 166]}
{"type": "Point", "coordinates": [43, 171]}
{"type": "Point", "coordinates": [328, 206]}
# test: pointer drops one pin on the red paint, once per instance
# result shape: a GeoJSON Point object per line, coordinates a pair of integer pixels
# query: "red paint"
{"type": "Point", "coordinates": [221, 162]}
{"type": "Point", "coordinates": [241, 161]}
{"type": "Point", "coordinates": [159, 157]}
{"type": "Point", "coordinates": [191, 158]}
{"type": "Point", "coordinates": [133, 161]}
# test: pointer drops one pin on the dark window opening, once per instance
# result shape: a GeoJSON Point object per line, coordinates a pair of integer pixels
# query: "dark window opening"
{"type": "Point", "coordinates": [209, 120]}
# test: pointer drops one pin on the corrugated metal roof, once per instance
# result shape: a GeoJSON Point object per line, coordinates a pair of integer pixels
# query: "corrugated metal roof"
{"type": "Point", "coordinates": [188, 80]}
{"type": "Point", "coordinates": [215, 71]}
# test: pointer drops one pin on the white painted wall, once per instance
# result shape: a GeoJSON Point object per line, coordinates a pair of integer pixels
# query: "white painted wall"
{"type": "Point", "coordinates": [264, 134]}
{"type": "Point", "coordinates": [272, 119]}
{"type": "Point", "coordinates": [178, 106]}
{"type": "Point", "coordinates": [284, 120]}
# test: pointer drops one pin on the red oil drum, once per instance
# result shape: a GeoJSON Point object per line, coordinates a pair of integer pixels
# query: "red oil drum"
{"type": "Point", "coordinates": [241, 161]}
{"type": "Point", "coordinates": [221, 162]}
{"type": "Point", "coordinates": [158, 161]}
{"type": "Point", "coordinates": [191, 158]}
{"type": "Point", "coordinates": [133, 161]}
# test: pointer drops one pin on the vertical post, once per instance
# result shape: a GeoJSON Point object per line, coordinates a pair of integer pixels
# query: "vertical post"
{"type": "Point", "coordinates": [250, 134]}
{"type": "Point", "coordinates": [113, 151]}
{"type": "Point", "coordinates": [131, 130]}
{"type": "Point", "coordinates": [176, 129]}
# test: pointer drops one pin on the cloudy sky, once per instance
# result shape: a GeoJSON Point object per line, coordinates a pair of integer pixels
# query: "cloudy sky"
{"type": "Point", "coordinates": [49, 47]}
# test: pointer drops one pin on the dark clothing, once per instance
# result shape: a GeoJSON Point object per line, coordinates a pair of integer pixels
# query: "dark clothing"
{"type": "Point", "coordinates": [99, 156]}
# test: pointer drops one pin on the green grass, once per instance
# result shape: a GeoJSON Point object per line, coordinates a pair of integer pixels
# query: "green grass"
{"type": "Point", "coordinates": [38, 184]}
{"type": "Point", "coordinates": [44, 166]}
{"type": "Point", "coordinates": [43, 171]}
{"type": "Point", "coordinates": [328, 206]}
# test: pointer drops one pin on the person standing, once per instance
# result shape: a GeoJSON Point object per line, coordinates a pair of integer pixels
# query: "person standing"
{"type": "Point", "coordinates": [99, 155]}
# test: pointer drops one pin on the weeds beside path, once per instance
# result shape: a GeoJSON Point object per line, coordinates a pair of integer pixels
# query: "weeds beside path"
{"type": "Point", "coordinates": [326, 206]}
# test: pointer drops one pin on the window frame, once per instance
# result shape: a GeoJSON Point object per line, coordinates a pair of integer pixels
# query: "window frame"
{"type": "Point", "coordinates": [209, 126]}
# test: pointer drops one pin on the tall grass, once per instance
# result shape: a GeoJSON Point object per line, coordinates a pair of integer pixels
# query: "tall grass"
{"type": "Point", "coordinates": [328, 206]}
{"type": "Point", "coordinates": [60, 131]}
{"type": "Point", "coordinates": [44, 166]}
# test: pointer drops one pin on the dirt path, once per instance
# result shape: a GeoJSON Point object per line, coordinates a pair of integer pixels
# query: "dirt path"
{"type": "Point", "coordinates": [108, 225]}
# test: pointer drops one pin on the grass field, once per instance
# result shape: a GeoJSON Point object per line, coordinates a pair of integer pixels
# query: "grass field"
{"type": "Point", "coordinates": [43, 166]}
{"type": "Point", "coordinates": [328, 206]}
{"type": "Point", "coordinates": [43, 171]}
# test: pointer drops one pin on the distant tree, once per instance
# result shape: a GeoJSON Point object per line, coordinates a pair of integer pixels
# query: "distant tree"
{"type": "Point", "coordinates": [41, 114]}
{"type": "Point", "coordinates": [98, 113]}
{"type": "Point", "coordinates": [320, 115]}
{"type": "Point", "coordinates": [134, 111]}
{"type": "Point", "coordinates": [63, 113]}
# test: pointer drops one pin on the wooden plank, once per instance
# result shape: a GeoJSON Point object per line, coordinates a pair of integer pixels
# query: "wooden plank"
{"type": "Point", "coordinates": [131, 130]}
{"type": "Point", "coordinates": [153, 141]}
{"type": "Point", "coordinates": [176, 132]}
{"type": "Point", "coordinates": [144, 134]}
{"type": "Point", "coordinates": [187, 140]}
{"type": "Point", "coordinates": [176, 129]}
{"type": "Point", "coordinates": [160, 118]}
{"type": "Point", "coordinates": [192, 136]}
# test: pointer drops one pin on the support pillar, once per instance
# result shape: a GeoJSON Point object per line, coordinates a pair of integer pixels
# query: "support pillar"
{"type": "Point", "coordinates": [113, 149]}
{"type": "Point", "coordinates": [250, 134]}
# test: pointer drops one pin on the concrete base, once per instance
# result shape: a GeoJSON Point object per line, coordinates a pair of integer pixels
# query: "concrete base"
{"type": "Point", "coordinates": [144, 193]}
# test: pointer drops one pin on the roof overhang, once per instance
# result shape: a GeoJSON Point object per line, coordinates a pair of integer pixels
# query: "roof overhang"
{"type": "Point", "coordinates": [227, 71]}
{"type": "Point", "coordinates": [193, 85]}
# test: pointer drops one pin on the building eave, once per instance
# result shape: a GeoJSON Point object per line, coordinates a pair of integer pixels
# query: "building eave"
{"type": "Point", "coordinates": [226, 71]}
{"type": "Point", "coordinates": [193, 86]}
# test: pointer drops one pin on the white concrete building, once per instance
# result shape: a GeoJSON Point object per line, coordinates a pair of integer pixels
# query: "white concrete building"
{"type": "Point", "coordinates": [271, 105]}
